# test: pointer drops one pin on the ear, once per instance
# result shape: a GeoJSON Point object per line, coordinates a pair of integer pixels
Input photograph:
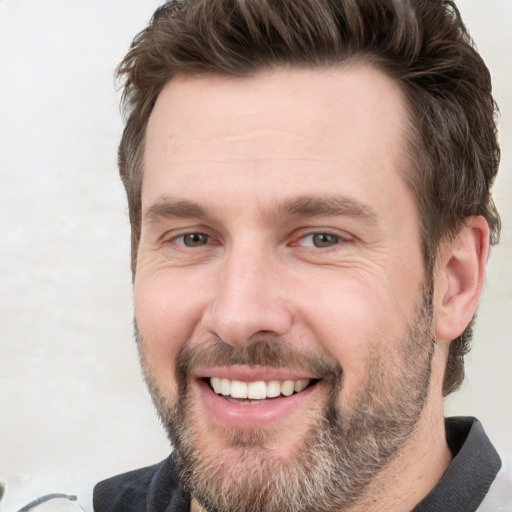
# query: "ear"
{"type": "Point", "coordinates": [459, 278]}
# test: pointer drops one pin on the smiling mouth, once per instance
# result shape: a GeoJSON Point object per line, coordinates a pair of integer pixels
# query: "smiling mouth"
{"type": "Point", "coordinates": [257, 392]}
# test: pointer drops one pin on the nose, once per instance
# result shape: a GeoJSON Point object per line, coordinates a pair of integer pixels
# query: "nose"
{"type": "Point", "coordinates": [248, 300]}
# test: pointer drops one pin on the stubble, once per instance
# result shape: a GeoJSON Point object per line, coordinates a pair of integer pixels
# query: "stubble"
{"type": "Point", "coordinates": [342, 451]}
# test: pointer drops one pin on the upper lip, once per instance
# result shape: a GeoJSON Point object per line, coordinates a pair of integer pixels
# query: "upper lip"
{"type": "Point", "coordinates": [252, 374]}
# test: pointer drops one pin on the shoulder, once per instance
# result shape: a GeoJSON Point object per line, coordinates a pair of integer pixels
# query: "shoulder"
{"type": "Point", "coordinates": [125, 492]}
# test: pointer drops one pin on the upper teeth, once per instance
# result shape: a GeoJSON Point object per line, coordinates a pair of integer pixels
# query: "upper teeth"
{"type": "Point", "coordinates": [257, 390]}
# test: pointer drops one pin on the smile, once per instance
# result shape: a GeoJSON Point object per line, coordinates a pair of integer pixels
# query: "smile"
{"type": "Point", "coordinates": [258, 390]}
{"type": "Point", "coordinates": [273, 396]}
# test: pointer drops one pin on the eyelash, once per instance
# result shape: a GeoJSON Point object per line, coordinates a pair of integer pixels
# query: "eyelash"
{"type": "Point", "coordinates": [336, 239]}
{"type": "Point", "coordinates": [339, 239]}
{"type": "Point", "coordinates": [191, 233]}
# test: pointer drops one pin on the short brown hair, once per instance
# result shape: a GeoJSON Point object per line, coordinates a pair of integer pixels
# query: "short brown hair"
{"type": "Point", "coordinates": [421, 44]}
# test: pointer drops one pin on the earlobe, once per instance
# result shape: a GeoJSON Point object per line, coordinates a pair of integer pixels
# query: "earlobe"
{"type": "Point", "coordinates": [459, 278]}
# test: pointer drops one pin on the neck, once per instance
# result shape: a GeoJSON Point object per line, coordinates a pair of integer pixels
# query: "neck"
{"type": "Point", "coordinates": [412, 474]}
{"type": "Point", "coordinates": [422, 461]}
{"type": "Point", "coordinates": [195, 507]}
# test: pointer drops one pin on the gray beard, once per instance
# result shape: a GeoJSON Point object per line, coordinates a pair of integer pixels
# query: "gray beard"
{"type": "Point", "coordinates": [341, 453]}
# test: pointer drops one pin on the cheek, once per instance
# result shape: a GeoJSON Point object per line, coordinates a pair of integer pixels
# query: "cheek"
{"type": "Point", "coordinates": [354, 319]}
{"type": "Point", "coordinates": [166, 315]}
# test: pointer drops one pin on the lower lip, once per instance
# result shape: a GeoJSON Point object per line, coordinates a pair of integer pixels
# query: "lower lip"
{"type": "Point", "coordinates": [245, 416]}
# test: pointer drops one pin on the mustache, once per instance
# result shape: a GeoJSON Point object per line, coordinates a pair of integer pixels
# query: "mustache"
{"type": "Point", "coordinates": [262, 352]}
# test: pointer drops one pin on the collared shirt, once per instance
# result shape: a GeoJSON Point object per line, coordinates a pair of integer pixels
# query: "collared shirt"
{"type": "Point", "coordinates": [461, 489]}
{"type": "Point", "coordinates": [474, 467]}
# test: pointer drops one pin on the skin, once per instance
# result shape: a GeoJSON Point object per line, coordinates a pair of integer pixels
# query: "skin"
{"type": "Point", "coordinates": [240, 149]}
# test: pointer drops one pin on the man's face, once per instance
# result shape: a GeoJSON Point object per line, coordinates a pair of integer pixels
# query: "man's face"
{"type": "Point", "coordinates": [284, 325]}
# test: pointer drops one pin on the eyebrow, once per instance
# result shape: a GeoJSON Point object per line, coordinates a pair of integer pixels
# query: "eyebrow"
{"type": "Point", "coordinates": [326, 206]}
{"type": "Point", "coordinates": [302, 206]}
{"type": "Point", "coordinates": [167, 207]}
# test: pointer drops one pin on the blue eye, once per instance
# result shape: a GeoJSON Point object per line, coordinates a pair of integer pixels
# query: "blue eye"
{"type": "Point", "coordinates": [321, 240]}
{"type": "Point", "coordinates": [193, 239]}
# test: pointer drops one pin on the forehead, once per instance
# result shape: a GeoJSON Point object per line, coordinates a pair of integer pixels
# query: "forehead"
{"type": "Point", "coordinates": [309, 126]}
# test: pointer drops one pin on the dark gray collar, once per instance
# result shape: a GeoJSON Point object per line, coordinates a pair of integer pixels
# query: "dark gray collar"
{"type": "Point", "coordinates": [472, 471]}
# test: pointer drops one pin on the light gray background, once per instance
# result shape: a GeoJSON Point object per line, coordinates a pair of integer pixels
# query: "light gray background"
{"type": "Point", "coordinates": [73, 408]}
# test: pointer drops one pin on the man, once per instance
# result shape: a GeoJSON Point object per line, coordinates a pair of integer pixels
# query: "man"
{"type": "Point", "coordinates": [309, 191]}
